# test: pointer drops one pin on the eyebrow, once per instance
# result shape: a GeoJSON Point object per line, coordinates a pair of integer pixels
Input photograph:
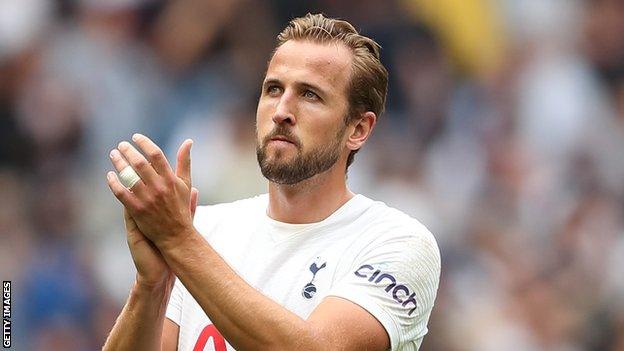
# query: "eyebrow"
{"type": "Point", "coordinates": [297, 83]}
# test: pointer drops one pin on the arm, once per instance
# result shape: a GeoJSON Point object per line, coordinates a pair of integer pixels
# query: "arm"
{"type": "Point", "coordinates": [140, 324]}
{"type": "Point", "coordinates": [360, 313]}
{"type": "Point", "coordinates": [251, 321]}
{"type": "Point", "coordinates": [170, 336]}
{"type": "Point", "coordinates": [246, 318]}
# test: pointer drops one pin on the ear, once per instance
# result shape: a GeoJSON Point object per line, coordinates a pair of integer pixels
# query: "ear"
{"type": "Point", "coordinates": [361, 130]}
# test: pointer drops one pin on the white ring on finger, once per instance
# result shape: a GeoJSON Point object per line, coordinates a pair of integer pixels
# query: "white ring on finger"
{"type": "Point", "coordinates": [128, 177]}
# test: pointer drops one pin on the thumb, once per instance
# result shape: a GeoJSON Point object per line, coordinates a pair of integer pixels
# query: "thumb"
{"type": "Point", "coordinates": [183, 165]}
{"type": "Point", "coordinates": [129, 221]}
{"type": "Point", "coordinates": [194, 199]}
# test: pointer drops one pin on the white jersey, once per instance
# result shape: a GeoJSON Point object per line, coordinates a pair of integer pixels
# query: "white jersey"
{"type": "Point", "coordinates": [366, 252]}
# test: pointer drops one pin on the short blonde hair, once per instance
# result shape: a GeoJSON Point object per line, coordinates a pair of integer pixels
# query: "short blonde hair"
{"type": "Point", "coordinates": [368, 87]}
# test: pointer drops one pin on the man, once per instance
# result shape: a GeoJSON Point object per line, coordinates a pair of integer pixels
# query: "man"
{"type": "Point", "coordinates": [310, 265]}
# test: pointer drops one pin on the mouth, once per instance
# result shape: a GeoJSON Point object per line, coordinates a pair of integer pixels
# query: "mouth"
{"type": "Point", "coordinates": [282, 139]}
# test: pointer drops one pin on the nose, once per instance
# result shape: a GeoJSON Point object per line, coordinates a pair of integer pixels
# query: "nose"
{"type": "Point", "coordinates": [285, 110]}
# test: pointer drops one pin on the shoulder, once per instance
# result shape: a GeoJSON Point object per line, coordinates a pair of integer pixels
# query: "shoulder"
{"type": "Point", "coordinates": [395, 273]}
{"type": "Point", "coordinates": [399, 247]}
{"type": "Point", "coordinates": [390, 224]}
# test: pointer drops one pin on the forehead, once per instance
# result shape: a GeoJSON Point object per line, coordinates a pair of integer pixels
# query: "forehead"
{"type": "Point", "coordinates": [327, 65]}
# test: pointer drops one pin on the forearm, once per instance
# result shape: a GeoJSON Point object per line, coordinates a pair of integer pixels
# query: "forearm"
{"type": "Point", "coordinates": [245, 317]}
{"type": "Point", "coordinates": [139, 326]}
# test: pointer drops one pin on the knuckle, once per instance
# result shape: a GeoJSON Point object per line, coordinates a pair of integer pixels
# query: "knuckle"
{"type": "Point", "coordinates": [170, 182]}
{"type": "Point", "coordinates": [140, 209]}
{"type": "Point", "coordinates": [160, 192]}
{"type": "Point", "coordinates": [119, 193]}
{"type": "Point", "coordinates": [116, 189]}
{"type": "Point", "coordinates": [150, 200]}
{"type": "Point", "coordinates": [141, 163]}
{"type": "Point", "coordinates": [155, 154]}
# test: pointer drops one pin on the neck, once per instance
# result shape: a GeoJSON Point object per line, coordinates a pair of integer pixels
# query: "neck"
{"type": "Point", "coordinates": [311, 200]}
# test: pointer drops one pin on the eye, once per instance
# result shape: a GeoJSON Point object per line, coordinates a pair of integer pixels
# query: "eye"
{"type": "Point", "coordinates": [273, 90]}
{"type": "Point", "coordinates": [308, 94]}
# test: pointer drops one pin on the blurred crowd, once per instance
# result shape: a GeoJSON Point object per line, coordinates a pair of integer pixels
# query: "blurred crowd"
{"type": "Point", "coordinates": [504, 135]}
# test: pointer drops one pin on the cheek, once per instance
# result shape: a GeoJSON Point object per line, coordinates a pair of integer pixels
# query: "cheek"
{"type": "Point", "coordinates": [263, 118]}
{"type": "Point", "coordinates": [316, 134]}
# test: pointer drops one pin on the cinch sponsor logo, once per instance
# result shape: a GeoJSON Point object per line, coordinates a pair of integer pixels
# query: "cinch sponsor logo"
{"type": "Point", "coordinates": [400, 293]}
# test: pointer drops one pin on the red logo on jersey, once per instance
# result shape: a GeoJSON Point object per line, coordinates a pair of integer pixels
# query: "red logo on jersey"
{"type": "Point", "coordinates": [210, 331]}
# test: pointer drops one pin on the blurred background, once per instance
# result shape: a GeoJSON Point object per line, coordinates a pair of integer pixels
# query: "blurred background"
{"type": "Point", "coordinates": [504, 134]}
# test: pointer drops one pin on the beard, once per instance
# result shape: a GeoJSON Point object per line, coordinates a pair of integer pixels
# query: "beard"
{"type": "Point", "coordinates": [303, 165]}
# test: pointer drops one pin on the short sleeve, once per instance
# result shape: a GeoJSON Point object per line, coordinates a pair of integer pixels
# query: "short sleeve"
{"type": "Point", "coordinates": [396, 280]}
{"type": "Point", "coordinates": [174, 308]}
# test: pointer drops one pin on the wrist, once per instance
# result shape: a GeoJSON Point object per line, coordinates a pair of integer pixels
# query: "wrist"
{"type": "Point", "coordinates": [182, 237]}
{"type": "Point", "coordinates": [155, 296]}
{"type": "Point", "coordinates": [142, 285]}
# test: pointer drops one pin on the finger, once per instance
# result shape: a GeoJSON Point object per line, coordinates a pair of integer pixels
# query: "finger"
{"type": "Point", "coordinates": [120, 163]}
{"type": "Point", "coordinates": [194, 200]}
{"type": "Point", "coordinates": [183, 166]}
{"type": "Point", "coordinates": [154, 154]}
{"type": "Point", "coordinates": [129, 221]}
{"type": "Point", "coordinates": [121, 192]}
{"type": "Point", "coordinates": [140, 164]}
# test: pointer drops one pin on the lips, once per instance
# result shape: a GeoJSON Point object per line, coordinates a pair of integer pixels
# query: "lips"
{"type": "Point", "coordinates": [282, 138]}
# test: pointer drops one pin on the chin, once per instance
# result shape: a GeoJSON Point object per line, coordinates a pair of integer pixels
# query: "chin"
{"type": "Point", "coordinates": [278, 163]}
{"type": "Point", "coordinates": [280, 155]}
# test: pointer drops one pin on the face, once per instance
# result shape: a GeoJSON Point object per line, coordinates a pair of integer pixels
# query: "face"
{"type": "Point", "coordinates": [300, 128]}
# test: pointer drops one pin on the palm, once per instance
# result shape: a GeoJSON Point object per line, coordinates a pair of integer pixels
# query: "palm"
{"type": "Point", "coordinates": [150, 264]}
